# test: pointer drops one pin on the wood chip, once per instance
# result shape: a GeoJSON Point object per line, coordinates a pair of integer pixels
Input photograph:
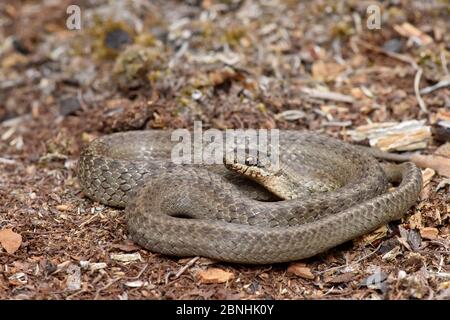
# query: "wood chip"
{"type": "Point", "coordinates": [214, 275]}
{"type": "Point", "coordinates": [429, 233]}
{"type": "Point", "coordinates": [64, 207]}
{"type": "Point", "coordinates": [299, 269]}
{"type": "Point", "coordinates": [326, 71]}
{"type": "Point", "coordinates": [10, 240]}
{"type": "Point", "coordinates": [135, 284]}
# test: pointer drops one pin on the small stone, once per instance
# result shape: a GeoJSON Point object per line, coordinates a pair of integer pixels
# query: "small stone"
{"type": "Point", "coordinates": [414, 239]}
{"type": "Point", "coordinates": [117, 38]}
{"type": "Point", "coordinates": [69, 105]}
{"type": "Point", "coordinates": [393, 45]}
{"type": "Point", "coordinates": [196, 95]}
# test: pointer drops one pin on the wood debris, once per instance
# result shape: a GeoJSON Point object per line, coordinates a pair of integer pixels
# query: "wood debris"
{"type": "Point", "coordinates": [394, 136]}
{"type": "Point", "coordinates": [214, 275]}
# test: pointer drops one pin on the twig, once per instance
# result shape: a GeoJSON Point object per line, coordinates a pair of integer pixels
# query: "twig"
{"type": "Point", "coordinates": [422, 104]}
{"type": "Point", "coordinates": [400, 57]}
{"type": "Point", "coordinates": [181, 271]}
{"type": "Point", "coordinates": [139, 274]}
{"type": "Point", "coordinates": [334, 96]}
{"type": "Point", "coordinates": [353, 263]}
{"type": "Point", "coordinates": [444, 63]}
{"type": "Point", "coordinates": [76, 294]}
{"type": "Point", "coordinates": [441, 84]}
{"type": "Point", "coordinates": [7, 161]}
{"type": "Point", "coordinates": [88, 220]}
{"type": "Point", "coordinates": [109, 284]}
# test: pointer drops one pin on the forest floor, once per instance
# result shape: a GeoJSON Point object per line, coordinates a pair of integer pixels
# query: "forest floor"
{"type": "Point", "coordinates": [230, 64]}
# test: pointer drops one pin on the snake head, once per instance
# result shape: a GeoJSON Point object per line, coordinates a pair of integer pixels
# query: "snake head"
{"type": "Point", "coordinates": [251, 163]}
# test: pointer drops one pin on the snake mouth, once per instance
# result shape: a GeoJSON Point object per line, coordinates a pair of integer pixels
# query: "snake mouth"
{"type": "Point", "coordinates": [181, 215]}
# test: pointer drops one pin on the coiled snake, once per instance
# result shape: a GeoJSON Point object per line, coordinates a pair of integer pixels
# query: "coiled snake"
{"type": "Point", "coordinates": [334, 192]}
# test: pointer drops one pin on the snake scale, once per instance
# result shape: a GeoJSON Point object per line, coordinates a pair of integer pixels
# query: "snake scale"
{"type": "Point", "coordinates": [210, 211]}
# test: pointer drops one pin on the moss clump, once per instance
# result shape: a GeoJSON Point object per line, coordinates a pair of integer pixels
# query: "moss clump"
{"type": "Point", "coordinates": [110, 38]}
{"type": "Point", "coordinates": [138, 65]}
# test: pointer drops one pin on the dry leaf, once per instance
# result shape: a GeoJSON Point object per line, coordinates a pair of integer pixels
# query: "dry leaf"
{"type": "Point", "coordinates": [442, 114]}
{"type": "Point", "coordinates": [214, 275]}
{"type": "Point", "coordinates": [429, 233]}
{"type": "Point", "coordinates": [379, 233]}
{"type": "Point", "coordinates": [10, 240]}
{"type": "Point", "coordinates": [415, 221]}
{"type": "Point", "coordinates": [299, 269]}
{"type": "Point", "coordinates": [427, 175]}
{"type": "Point", "coordinates": [342, 278]}
{"type": "Point", "coordinates": [127, 247]}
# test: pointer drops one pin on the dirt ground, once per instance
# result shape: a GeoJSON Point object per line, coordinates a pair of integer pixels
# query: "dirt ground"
{"type": "Point", "coordinates": [230, 64]}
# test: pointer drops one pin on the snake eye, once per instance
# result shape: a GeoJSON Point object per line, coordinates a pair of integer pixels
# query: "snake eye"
{"type": "Point", "coordinates": [250, 161]}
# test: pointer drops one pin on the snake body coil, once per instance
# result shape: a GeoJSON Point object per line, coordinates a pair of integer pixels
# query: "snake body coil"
{"type": "Point", "coordinates": [207, 210]}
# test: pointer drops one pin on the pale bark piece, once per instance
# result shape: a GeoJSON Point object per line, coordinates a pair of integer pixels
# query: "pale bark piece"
{"type": "Point", "coordinates": [394, 136]}
{"type": "Point", "coordinates": [214, 275]}
{"type": "Point", "coordinates": [10, 240]}
{"type": "Point", "coordinates": [73, 282]}
{"type": "Point", "coordinates": [126, 257]}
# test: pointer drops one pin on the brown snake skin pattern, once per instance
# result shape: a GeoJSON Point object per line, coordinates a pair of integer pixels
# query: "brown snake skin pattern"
{"type": "Point", "coordinates": [206, 210]}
